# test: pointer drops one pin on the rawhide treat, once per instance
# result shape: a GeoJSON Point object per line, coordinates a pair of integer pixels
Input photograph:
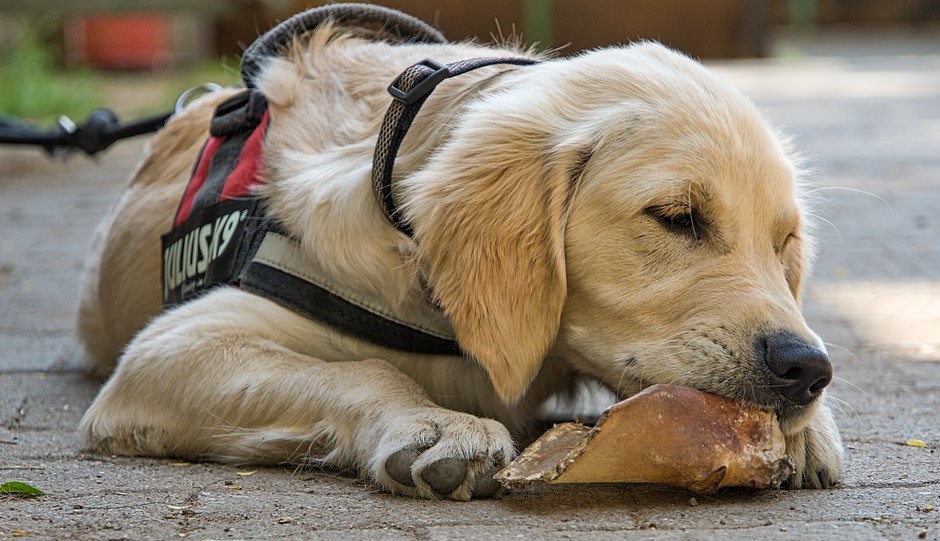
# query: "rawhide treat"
{"type": "Point", "coordinates": [665, 434]}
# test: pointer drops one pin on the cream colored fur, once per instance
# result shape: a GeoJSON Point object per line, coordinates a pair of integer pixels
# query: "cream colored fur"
{"type": "Point", "coordinates": [528, 189]}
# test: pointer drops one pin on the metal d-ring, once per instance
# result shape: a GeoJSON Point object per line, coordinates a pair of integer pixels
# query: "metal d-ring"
{"type": "Point", "coordinates": [194, 92]}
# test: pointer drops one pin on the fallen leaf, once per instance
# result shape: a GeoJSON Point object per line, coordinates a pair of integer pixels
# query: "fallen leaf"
{"type": "Point", "coordinates": [245, 473]}
{"type": "Point", "coordinates": [233, 487]}
{"type": "Point", "coordinates": [915, 443]}
{"type": "Point", "coordinates": [19, 533]}
{"type": "Point", "coordinates": [929, 508]}
{"type": "Point", "coordinates": [179, 507]}
{"type": "Point", "coordinates": [18, 488]}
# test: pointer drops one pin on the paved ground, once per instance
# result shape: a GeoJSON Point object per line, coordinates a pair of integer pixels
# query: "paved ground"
{"type": "Point", "coordinates": [867, 114]}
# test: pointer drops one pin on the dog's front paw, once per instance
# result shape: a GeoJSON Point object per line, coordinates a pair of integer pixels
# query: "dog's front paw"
{"type": "Point", "coordinates": [437, 453]}
{"type": "Point", "coordinates": [816, 451]}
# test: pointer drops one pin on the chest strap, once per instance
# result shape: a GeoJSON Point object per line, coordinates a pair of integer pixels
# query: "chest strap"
{"type": "Point", "coordinates": [279, 272]}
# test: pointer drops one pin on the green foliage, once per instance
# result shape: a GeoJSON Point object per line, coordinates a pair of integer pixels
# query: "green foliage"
{"type": "Point", "coordinates": [35, 89]}
{"type": "Point", "coordinates": [32, 88]}
{"type": "Point", "coordinates": [18, 488]}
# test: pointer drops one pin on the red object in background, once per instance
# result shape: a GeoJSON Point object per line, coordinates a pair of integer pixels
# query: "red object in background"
{"type": "Point", "coordinates": [124, 41]}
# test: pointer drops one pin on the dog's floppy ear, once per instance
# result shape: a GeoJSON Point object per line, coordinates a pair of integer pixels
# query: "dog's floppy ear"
{"type": "Point", "coordinates": [489, 213]}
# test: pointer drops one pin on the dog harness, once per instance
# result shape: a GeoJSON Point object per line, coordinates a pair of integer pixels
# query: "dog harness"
{"type": "Point", "coordinates": [222, 235]}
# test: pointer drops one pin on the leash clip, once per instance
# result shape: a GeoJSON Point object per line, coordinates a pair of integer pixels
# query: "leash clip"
{"type": "Point", "coordinates": [423, 87]}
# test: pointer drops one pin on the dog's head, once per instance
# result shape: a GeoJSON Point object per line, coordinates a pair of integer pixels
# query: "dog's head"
{"type": "Point", "coordinates": [630, 212]}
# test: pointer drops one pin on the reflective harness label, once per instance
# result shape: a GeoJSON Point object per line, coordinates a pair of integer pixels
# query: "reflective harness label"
{"type": "Point", "coordinates": [201, 251]}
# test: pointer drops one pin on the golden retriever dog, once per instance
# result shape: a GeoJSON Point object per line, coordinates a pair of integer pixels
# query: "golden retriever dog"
{"type": "Point", "coordinates": [622, 216]}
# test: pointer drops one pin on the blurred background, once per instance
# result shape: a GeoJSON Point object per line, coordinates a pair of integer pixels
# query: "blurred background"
{"type": "Point", "coordinates": [135, 56]}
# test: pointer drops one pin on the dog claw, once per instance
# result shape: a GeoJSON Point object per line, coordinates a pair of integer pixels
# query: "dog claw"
{"type": "Point", "coordinates": [486, 485]}
{"type": "Point", "coordinates": [445, 475]}
{"type": "Point", "coordinates": [824, 479]}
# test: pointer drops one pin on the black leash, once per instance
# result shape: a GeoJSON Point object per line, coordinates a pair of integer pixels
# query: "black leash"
{"type": "Point", "coordinates": [98, 132]}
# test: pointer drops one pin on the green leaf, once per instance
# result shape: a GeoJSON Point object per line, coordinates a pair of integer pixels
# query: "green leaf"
{"type": "Point", "coordinates": [19, 489]}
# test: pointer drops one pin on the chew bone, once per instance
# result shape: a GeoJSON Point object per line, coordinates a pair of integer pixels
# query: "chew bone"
{"type": "Point", "coordinates": [666, 435]}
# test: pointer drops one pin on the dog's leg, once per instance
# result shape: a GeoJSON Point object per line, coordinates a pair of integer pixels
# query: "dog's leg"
{"type": "Point", "coordinates": [218, 385]}
{"type": "Point", "coordinates": [816, 450]}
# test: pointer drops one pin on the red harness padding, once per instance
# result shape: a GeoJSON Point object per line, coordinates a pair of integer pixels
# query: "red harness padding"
{"type": "Point", "coordinates": [243, 177]}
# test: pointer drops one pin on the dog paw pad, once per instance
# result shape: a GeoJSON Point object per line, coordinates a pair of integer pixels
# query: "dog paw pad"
{"type": "Point", "coordinates": [445, 475]}
{"type": "Point", "coordinates": [398, 466]}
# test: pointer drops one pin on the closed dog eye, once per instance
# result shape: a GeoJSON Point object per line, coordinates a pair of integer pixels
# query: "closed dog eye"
{"type": "Point", "coordinates": [781, 248]}
{"type": "Point", "coordinates": [679, 219]}
{"type": "Point", "coordinates": [791, 255]}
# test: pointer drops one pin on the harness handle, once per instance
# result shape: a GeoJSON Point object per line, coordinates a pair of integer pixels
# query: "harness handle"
{"type": "Point", "coordinates": [375, 22]}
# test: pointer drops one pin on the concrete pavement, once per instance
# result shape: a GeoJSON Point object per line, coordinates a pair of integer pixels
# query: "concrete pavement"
{"type": "Point", "coordinates": [867, 115]}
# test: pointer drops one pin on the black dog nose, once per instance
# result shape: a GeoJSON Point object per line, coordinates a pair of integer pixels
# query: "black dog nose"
{"type": "Point", "coordinates": [802, 371]}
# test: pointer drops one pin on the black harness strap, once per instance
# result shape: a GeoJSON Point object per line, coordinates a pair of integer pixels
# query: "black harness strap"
{"type": "Point", "coordinates": [277, 274]}
{"type": "Point", "coordinates": [410, 90]}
